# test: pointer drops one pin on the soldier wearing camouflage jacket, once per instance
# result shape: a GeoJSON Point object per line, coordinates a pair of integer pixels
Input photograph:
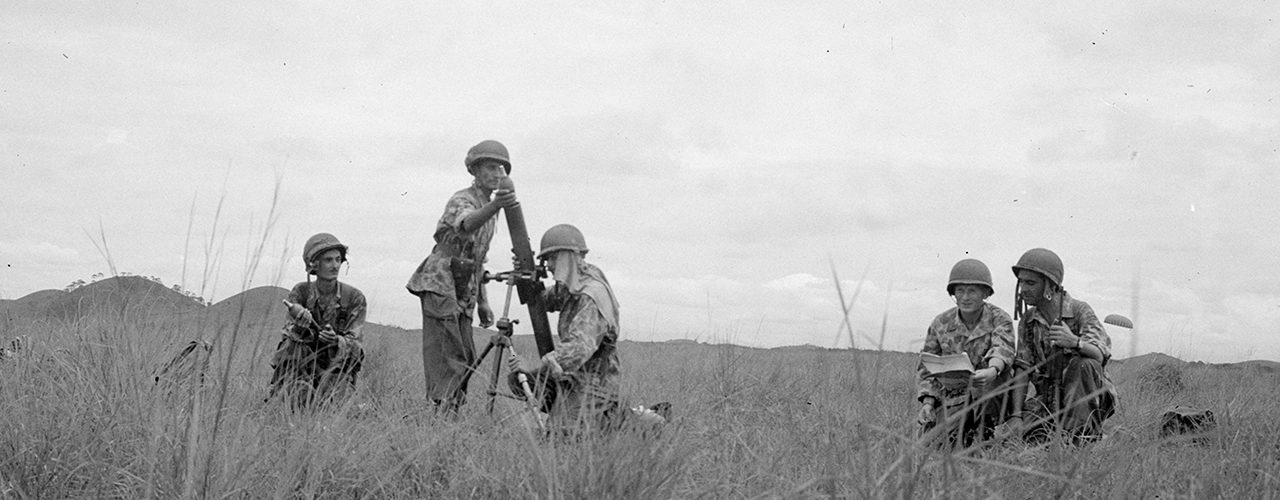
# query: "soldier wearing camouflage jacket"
{"type": "Point", "coordinates": [990, 339]}
{"type": "Point", "coordinates": [320, 351]}
{"type": "Point", "coordinates": [448, 282]}
{"type": "Point", "coordinates": [1062, 353]}
{"type": "Point", "coordinates": [984, 333]}
{"type": "Point", "coordinates": [579, 379]}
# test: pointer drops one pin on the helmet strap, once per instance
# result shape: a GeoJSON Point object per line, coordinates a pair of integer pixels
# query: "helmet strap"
{"type": "Point", "coordinates": [1017, 301]}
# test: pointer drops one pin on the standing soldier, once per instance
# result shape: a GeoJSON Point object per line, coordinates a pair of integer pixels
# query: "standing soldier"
{"type": "Point", "coordinates": [985, 333]}
{"type": "Point", "coordinates": [320, 354]}
{"type": "Point", "coordinates": [448, 282]}
{"type": "Point", "coordinates": [1062, 352]}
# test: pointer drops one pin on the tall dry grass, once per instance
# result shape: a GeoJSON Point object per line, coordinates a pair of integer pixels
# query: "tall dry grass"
{"type": "Point", "coordinates": [83, 418]}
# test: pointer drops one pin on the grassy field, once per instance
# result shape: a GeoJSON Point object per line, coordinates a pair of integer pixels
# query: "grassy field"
{"type": "Point", "coordinates": [80, 417]}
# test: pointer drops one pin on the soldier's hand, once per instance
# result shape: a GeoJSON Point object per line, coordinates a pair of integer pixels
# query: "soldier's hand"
{"type": "Point", "coordinates": [927, 415]}
{"type": "Point", "coordinates": [300, 314]}
{"type": "Point", "coordinates": [327, 335]}
{"type": "Point", "coordinates": [1060, 336]}
{"type": "Point", "coordinates": [306, 318]}
{"type": "Point", "coordinates": [551, 364]}
{"type": "Point", "coordinates": [505, 198]}
{"type": "Point", "coordinates": [485, 315]}
{"type": "Point", "coordinates": [984, 376]}
{"type": "Point", "coordinates": [513, 364]}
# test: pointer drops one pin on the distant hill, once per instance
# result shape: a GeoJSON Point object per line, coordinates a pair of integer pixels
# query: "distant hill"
{"type": "Point", "coordinates": [28, 306]}
{"type": "Point", "coordinates": [1148, 359]}
{"type": "Point", "coordinates": [257, 310]}
{"type": "Point", "coordinates": [803, 347]}
{"type": "Point", "coordinates": [1132, 365]}
{"type": "Point", "coordinates": [253, 308]}
{"type": "Point", "coordinates": [1261, 365]}
{"type": "Point", "coordinates": [41, 297]}
{"type": "Point", "coordinates": [121, 296]}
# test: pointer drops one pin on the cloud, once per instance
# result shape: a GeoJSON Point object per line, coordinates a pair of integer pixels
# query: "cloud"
{"type": "Point", "coordinates": [795, 282]}
{"type": "Point", "coordinates": [612, 145]}
{"type": "Point", "coordinates": [29, 250]}
{"type": "Point", "coordinates": [719, 162]}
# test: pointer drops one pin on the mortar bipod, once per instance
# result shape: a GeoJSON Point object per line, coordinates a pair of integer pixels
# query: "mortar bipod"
{"type": "Point", "coordinates": [502, 340]}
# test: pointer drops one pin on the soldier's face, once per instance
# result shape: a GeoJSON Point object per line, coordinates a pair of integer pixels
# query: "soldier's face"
{"type": "Point", "coordinates": [969, 298]}
{"type": "Point", "coordinates": [1031, 285]}
{"type": "Point", "coordinates": [328, 264]}
{"type": "Point", "coordinates": [489, 173]}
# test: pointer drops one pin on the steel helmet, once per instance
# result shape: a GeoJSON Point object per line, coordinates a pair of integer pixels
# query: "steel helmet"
{"type": "Point", "coordinates": [1043, 261]}
{"type": "Point", "coordinates": [319, 244]}
{"type": "Point", "coordinates": [562, 237]}
{"type": "Point", "coordinates": [970, 272]}
{"type": "Point", "coordinates": [488, 150]}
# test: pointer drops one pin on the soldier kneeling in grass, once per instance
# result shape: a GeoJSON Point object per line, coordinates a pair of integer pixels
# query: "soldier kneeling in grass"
{"type": "Point", "coordinates": [1062, 352]}
{"type": "Point", "coordinates": [577, 382]}
{"type": "Point", "coordinates": [320, 353]}
{"type": "Point", "coordinates": [966, 403]}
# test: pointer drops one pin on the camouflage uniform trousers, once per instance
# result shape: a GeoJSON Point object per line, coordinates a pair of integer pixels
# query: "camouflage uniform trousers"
{"type": "Point", "coordinates": [969, 413]}
{"type": "Point", "coordinates": [586, 401]}
{"type": "Point", "coordinates": [575, 403]}
{"type": "Point", "coordinates": [1075, 403]}
{"type": "Point", "coordinates": [448, 351]}
{"type": "Point", "coordinates": [307, 371]}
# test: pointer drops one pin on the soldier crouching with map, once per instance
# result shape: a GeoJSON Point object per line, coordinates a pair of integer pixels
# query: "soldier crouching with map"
{"type": "Point", "coordinates": [968, 353]}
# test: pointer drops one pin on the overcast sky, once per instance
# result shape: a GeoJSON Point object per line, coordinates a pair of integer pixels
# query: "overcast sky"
{"type": "Point", "coordinates": [722, 160]}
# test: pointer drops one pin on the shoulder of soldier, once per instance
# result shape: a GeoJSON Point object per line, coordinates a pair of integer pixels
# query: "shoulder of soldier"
{"type": "Point", "coordinates": [584, 297]}
{"type": "Point", "coordinates": [998, 315]}
{"type": "Point", "coordinates": [469, 193]}
{"type": "Point", "coordinates": [299, 291]}
{"type": "Point", "coordinates": [1079, 306]}
{"type": "Point", "coordinates": [466, 191]}
{"type": "Point", "coordinates": [945, 318]}
{"type": "Point", "coordinates": [352, 294]}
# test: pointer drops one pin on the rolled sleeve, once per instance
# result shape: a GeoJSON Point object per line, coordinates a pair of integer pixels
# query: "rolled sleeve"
{"type": "Point", "coordinates": [457, 211]}
{"type": "Point", "coordinates": [1091, 330]}
{"type": "Point", "coordinates": [1001, 341]}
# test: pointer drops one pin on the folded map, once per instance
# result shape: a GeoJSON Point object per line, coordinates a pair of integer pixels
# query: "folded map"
{"type": "Point", "coordinates": [950, 364]}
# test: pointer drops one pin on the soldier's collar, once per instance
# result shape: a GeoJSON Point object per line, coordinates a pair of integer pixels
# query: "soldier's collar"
{"type": "Point", "coordinates": [1065, 311]}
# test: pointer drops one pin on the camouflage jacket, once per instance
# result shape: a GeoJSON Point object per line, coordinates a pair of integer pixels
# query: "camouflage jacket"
{"type": "Point", "coordinates": [456, 263]}
{"type": "Point", "coordinates": [344, 311]}
{"type": "Point", "coordinates": [1036, 355]}
{"type": "Point", "coordinates": [588, 343]}
{"type": "Point", "coordinates": [991, 338]}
